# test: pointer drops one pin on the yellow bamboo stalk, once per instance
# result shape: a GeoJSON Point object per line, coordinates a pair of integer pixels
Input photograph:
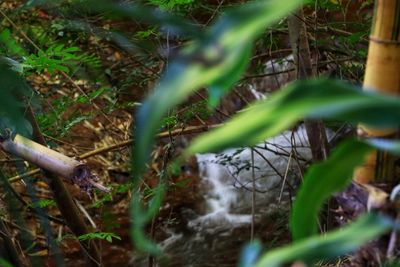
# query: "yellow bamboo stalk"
{"type": "Point", "coordinates": [53, 161]}
{"type": "Point", "coordinates": [382, 74]}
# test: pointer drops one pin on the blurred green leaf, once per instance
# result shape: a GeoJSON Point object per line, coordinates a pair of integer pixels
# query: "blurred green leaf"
{"type": "Point", "coordinates": [331, 245]}
{"type": "Point", "coordinates": [13, 89]}
{"type": "Point", "coordinates": [320, 98]}
{"type": "Point", "coordinates": [10, 44]}
{"type": "Point", "coordinates": [82, 26]}
{"type": "Point", "coordinates": [325, 178]}
{"type": "Point", "coordinates": [173, 24]}
{"type": "Point", "coordinates": [5, 263]}
{"type": "Point", "coordinates": [142, 216]}
{"type": "Point", "coordinates": [250, 254]}
{"type": "Point", "coordinates": [230, 76]}
{"type": "Point", "coordinates": [320, 182]}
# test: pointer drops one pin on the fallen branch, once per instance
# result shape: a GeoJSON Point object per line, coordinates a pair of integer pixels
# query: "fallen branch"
{"type": "Point", "coordinates": [186, 130]}
{"type": "Point", "coordinates": [53, 161]}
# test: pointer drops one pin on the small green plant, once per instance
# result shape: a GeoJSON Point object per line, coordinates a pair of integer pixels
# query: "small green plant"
{"type": "Point", "coordinates": [142, 35]}
{"type": "Point", "coordinates": [8, 45]}
{"type": "Point", "coordinates": [97, 235]}
{"type": "Point", "coordinates": [170, 4]}
{"type": "Point", "coordinates": [43, 203]}
{"type": "Point", "coordinates": [50, 122]}
{"type": "Point", "coordinates": [100, 235]}
{"type": "Point", "coordinates": [116, 189]}
{"type": "Point", "coordinates": [59, 58]}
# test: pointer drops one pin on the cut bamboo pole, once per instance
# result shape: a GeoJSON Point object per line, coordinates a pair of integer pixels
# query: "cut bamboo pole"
{"type": "Point", "coordinates": [382, 74]}
{"type": "Point", "coordinates": [52, 161]}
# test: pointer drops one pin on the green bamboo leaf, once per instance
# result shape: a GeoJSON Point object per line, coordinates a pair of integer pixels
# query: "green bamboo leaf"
{"type": "Point", "coordinates": [331, 245]}
{"type": "Point", "coordinates": [231, 75]}
{"type": "Point", "coordinates": [171, 23]}
{"type": "Point", "coordinates": [142, 216]}
{"type": "Point", "coordinates": [13, 88]}
{"type": "Point", "coordinates": [319, 184]}
{"type": "Point", "coordinates": [320, 98]}
{"type": "Point", "coordinates": [5, 263]}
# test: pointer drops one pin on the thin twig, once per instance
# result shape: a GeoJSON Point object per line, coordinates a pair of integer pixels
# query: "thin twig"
{"type": "Point", "coordinates": [253, 196]}
{"type": "Point", "coordinates": [285, 177]}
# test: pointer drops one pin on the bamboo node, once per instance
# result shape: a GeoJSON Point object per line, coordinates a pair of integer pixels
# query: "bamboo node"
{"type": "Point", "coordinates": [382, 41]}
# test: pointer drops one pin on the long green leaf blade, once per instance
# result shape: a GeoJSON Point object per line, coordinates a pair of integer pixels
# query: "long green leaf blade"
{"type": "Point", "coordinates": [320, 182]}
{"type": "Point", "coordinates": [314, 98]}
{"type": "Point", "coordinates": [331, 245]}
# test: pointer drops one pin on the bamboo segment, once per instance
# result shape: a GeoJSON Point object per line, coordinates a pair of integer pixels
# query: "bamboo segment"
{"type": "Point", "coordinates": [382, 74]}
{"type": "Point", "coordinates": [53, 161]}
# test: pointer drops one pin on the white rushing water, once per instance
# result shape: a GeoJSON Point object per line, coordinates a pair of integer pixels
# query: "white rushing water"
{"type": "Point", "coordinates": [228, 179]}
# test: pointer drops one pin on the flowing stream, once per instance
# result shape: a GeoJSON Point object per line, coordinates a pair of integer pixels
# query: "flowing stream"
{"type": "Point", "coordinates": [240, 188]}
{"type": "Point", "coordinates": [230, 191]}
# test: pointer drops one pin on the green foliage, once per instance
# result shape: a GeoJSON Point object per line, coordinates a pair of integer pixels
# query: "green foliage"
{"type": "Point", "coordinates": [326, 4]}
{"type": "Point", "coordinates": [50, 122]}
{"type": "Point", "coordinates": [146, 34]}
{"type": "Point", "coordinates": [43, 203]}
{"type": "Point", "coordinates": [170, 121]}
{"type": "Point", "coordinates": [5, 263]}
{"type": "Point", "coordinates": [170, 4]}
{"type": "Point", "coordinates": [13, 89]}
{"type": "Point", "coordinates": [99, 235]}
{"type": "Point", "coordinates": [93, 95]}
{"type": "Point", "coordinates": [76, 119]}
{"type": "Point", "coordinates": [315, 190]}
{"type": "Point", "coordinates": [8, 45]}
{"type": "Point", "coordinates": [59, 58]}
{"type": "Point", "coordinates": [193, 111]}
{"type": "Point", "coordinates": [172, 24]}
{"type": "Point", "coordinates": [56, 57]}
{"type": "Point", "coordinates": [200, 109]}
{"type": "Point", "coordinates": [331, 245]}
{"type": "Point", "coordinates": [115, 189]}
{"type": "Point", "coordinates": [314, 99]}
{"type": "Point", "coordinates": [96, 235]}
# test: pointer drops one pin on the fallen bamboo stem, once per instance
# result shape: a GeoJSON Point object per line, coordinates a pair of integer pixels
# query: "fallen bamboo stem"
{"type": "Point", "coordinates": [187, 130]}
{"type": "Point", "coordinates": [53, 161]}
